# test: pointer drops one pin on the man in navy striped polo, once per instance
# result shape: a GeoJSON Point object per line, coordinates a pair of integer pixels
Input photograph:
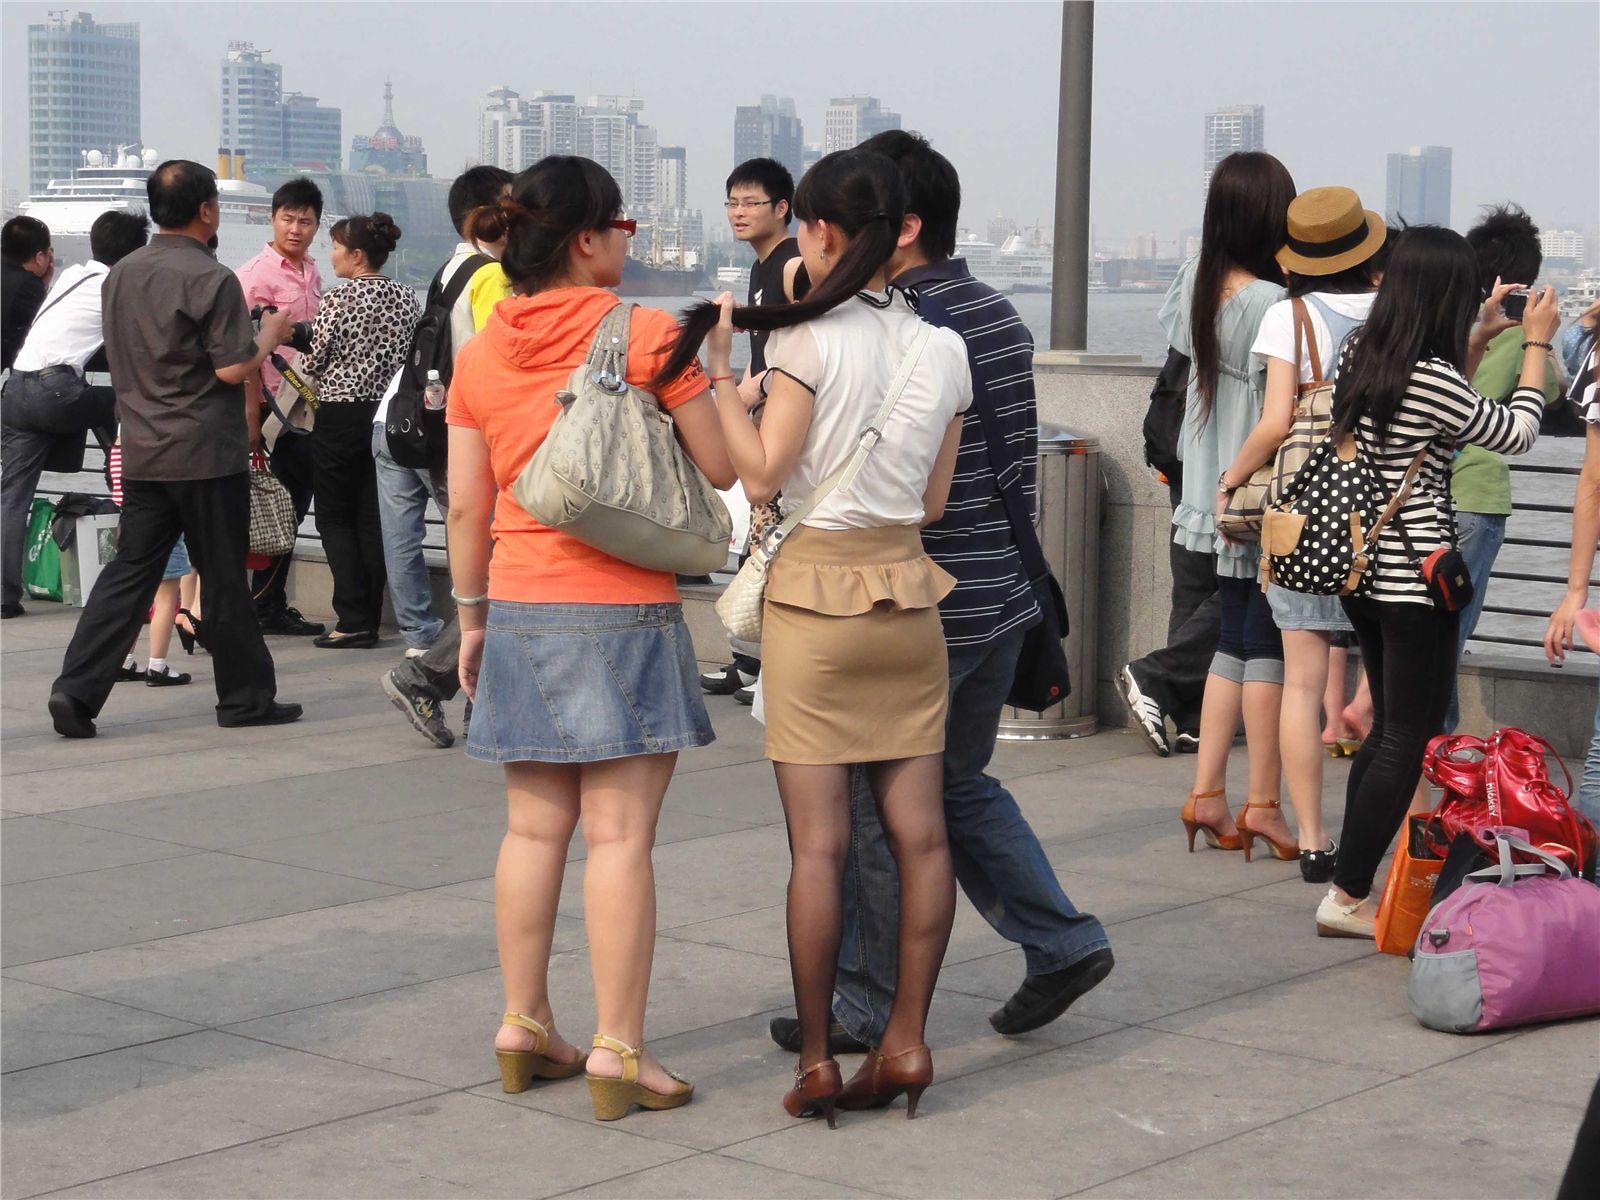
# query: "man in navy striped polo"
{"type": "Point", "coordinates": [998, 859]}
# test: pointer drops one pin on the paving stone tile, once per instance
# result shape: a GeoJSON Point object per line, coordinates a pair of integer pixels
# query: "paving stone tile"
{"type": "Point", "coordinates": [39, 848]}
{"type": "Point", "coordinates": [117, 906]}
{"type": "Point", "coordinates": [223, 975]}
{"type": "Point", "coordinates": [713, 1177]}
{"type": "Point", "coordinates": [1176, 960]}
{"type": "Point", "coordinates": [41, 1025]}
{"type": "Point", "coordinates": [1156, 852]}
{"type": "Point", "coordinates": [1353, 1013]}
{"type": "Point", "coordinates": [78, 1121]}
{"type": "Point", "coordinates": [443, 1146]}
{"type": "Point", "coordinates": [1553, 1064]}
{"type": "Point", "coordinates": [1062, 1120]}
{"type": "Point", "coordinates": [743, 793]}
{"type": "Point", "coordinates": [1405, 1139]}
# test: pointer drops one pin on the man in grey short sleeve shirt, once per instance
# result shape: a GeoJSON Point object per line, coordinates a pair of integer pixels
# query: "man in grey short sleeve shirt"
{"type": "Point", "coordinates": [180, 345]}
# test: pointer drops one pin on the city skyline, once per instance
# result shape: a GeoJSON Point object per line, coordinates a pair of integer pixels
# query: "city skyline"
{"type": "Point", "coordinates": [1151, 92]}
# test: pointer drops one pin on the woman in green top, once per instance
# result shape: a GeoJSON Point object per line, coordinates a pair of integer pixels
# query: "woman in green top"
{"type": "Point", "coordinates": [1212, 314]}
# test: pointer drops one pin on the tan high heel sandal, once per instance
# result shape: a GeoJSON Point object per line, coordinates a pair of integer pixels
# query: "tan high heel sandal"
{"type": "Point", "coordinates": [1214, 838]}
{"type": "Point", "coordinates": [519, 1068]}
{"type": "Point", "coordinates": [1283, 851]}
{"type": "Point", "coordinates": [614, 1097]}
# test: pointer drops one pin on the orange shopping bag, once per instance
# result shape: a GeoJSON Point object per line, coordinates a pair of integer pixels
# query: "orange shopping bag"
{"type": "Point", "coordinates": [1408, 892]}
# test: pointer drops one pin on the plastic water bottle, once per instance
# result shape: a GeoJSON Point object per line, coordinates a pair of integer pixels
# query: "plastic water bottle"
{"type": "Point", "coordinates": [433, 394]}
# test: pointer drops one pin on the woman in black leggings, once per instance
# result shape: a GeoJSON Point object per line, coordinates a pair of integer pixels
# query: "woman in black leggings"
{"type": "Point", "coordinates": [1402, 389]}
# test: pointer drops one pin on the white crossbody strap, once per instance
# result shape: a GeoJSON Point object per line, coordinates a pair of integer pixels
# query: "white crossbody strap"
{"type": "Point", "coordinates": [846, 474]}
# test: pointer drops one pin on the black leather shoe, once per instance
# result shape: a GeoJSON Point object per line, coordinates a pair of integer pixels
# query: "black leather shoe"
{"type": "Point", "coordinates": [725, 681]}
{"type": "Point", "coordinates": [290, 622]}
{"type": "Point", "coordinates": [361, 639]}
{"type": "Point", "coordinates": [167, 678]}
{"type": "Point", "coordinates": [127, 674]}
{"type": "Point", "coordinates": [1043, 998]}
{"type": "Point", "coordinates": [7, 611]}
{"type": "Point", "coordinates": [745, 696]}
{"type": "Point", "coordinates": [70, 716]}
{"type": "Point", "coordinates": [785, 1032]}
{"type": "Point", "coordinates": [278, 714]}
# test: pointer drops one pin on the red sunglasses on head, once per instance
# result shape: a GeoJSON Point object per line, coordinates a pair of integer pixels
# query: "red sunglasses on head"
{"type": "Point", "coordinates": [628, 225]}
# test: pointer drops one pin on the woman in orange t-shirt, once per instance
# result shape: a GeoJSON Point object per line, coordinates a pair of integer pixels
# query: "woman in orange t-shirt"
{"type": "Point", "coordinates": [579, 665]}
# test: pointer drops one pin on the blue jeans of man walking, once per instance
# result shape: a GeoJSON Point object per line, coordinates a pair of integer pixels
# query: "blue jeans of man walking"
{"type": "Point", "coordinates": [998, 860]}
{"type": "Point", "coordinates": [403, 495]}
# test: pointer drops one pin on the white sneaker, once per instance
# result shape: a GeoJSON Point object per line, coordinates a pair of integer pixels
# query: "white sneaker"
{"type": "Point", "coordinates": [1345, 920]}
{"type": "Point", "coordinates": [1148, 718]}
{"type": "Point", "coordinates": [415, 652]}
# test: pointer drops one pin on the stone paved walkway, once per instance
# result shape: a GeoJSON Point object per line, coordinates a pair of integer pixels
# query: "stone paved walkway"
{"type": "Point", "coordinates": [261, 963]}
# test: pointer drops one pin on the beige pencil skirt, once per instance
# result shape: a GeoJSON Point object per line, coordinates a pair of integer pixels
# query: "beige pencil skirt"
{"type": "Point", "coordinates": [853, 660]}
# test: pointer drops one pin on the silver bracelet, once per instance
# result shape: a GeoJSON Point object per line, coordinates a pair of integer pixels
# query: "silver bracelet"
{"type": "Point", "coordinates": [469, 601]}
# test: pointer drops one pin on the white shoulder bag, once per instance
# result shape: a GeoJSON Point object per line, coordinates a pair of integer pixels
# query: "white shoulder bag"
{"type": "Point", "coordinates": [740, 604]}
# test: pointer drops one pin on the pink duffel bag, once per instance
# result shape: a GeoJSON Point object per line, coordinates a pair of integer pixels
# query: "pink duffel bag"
{"type": "Point", "coordinates": [1516, 943]}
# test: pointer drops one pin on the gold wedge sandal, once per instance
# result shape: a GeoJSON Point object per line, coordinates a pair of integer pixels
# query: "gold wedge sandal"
{"type": "Point", "coordinates": [519, 1068]}
{"type": "Point", "coordinates": [614, 1097]}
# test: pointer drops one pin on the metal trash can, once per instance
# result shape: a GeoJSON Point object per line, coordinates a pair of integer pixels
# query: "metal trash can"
{"type": "Point", "coordinates": [1069, 530]}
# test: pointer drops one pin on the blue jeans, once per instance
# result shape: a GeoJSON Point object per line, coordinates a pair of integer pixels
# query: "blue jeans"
{"type": "Point", "coordinates": [403, 495]}
{"type": "Point", "coordinates": [1478, 538]}
{"type": "Point", "coordinates": [997, 857]}
{"type": "Point", "coordinates": [1589, 784]}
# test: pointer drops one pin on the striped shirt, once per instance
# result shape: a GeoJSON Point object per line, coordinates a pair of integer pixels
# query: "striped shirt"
{"type": "Point", "coordinates": [973, 540]}
{"type": "Point", "coordinates": [1440, 411]}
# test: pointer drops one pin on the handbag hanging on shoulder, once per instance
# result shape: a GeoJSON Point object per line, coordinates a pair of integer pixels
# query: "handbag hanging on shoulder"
{"type": "Point", "coordinates": [740, 605]}
{"type": "Point", "coordinates": [611, 472]}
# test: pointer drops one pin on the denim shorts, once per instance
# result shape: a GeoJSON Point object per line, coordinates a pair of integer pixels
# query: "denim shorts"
{"type": "Point", "coordinates": [1299, 611]}
{"type": "Point", "coordinates": [575, 683]}
{"type": "Point", "coordinates": [177, 562]}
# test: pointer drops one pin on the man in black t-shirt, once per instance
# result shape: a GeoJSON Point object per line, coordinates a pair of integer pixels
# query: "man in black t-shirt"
{"type": "Point", "coordinates": [760, 196]}
{"type": "Point", "coordinates": [29, 262]}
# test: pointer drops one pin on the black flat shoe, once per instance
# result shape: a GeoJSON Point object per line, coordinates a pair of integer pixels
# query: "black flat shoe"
{"type": "Point", "coordinates": [1043, 998]}
{"type": "Point", "coordinates": [70, 717]}
{"type": "Point", "coordinates": [1316, 866]}
{"type": "Point", "coordinates": [166, 678]}
{"type": "Point", "coordinates": [127, 674]}
{"type": "Point", "coordinates": [278, 714]}
{"type": "Point", "coordinates": [785, 1032]}
{"type": "Point", "coordinates": [362, 639]}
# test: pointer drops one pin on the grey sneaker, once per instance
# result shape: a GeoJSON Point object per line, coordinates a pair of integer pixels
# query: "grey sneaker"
{"type": "Point", "coordinates": [1147, 716]}
{"type": "Point", "coordinates": [421, 709]}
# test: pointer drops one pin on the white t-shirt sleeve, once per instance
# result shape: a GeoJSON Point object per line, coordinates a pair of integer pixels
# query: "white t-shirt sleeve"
{"type": "Point", "coordinates": [794, 352]}
{"type": "Point", "coordinates": [961, 376]}
{"type": "Point", "coordinates": [1276, 338]}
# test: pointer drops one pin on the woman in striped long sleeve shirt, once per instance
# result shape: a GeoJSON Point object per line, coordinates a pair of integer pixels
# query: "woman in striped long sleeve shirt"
{"type": "Point", "coordinates": [1402, 388]}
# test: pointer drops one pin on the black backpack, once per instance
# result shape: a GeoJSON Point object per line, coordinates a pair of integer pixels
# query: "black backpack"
{"type": "Point", "coordinates": [416, 436]}
{"type": "Point", "coordinates": [1163, 420]}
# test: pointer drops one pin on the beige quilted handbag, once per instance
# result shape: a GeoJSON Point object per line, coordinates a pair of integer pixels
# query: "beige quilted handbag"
{"type": "Point", "coordinates": [612, 474]}
{"type": "Point", "coordinates": [1313, 418]}
{"type": "Point", "coordinates": [740, 604]}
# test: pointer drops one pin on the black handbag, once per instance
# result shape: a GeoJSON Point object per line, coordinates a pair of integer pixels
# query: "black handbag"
{"type": "Point", "coordinates": [1043, 678]}
{"type": "Point", "coordinates": [1163, 420]}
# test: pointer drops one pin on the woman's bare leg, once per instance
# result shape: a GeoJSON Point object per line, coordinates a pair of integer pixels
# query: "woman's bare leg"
{"type": "Point", "coordinates": [1305, 662]}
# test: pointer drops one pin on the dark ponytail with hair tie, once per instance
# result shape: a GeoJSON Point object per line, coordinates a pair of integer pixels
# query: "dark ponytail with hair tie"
{"type": "Point", "coordinates": [551, 203]}
{"type": "Point", "coordinates": [857, 190]}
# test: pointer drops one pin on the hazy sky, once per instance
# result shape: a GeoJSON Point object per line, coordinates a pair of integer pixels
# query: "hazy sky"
{"type": "Point", "coordinates": [1512, 87]}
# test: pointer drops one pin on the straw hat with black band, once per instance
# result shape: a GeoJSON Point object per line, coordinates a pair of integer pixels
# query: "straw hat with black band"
{"type": "Point", "coordinates": [1329, 232]}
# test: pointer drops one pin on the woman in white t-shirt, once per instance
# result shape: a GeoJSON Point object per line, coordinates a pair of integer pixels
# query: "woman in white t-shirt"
{"type": "Point", "coordinates": [1330, 257]}
{"type": "Point", "coordinates": [854, 667]}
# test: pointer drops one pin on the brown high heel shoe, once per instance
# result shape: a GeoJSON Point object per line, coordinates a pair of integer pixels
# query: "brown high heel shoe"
{"type": "Point", "coordinates": [882, 1077]}
{"type": "Point", "coordinates": [1215, 838]}
{"type": "Point", "coordinates": [1283, 851]}
{"type": "Point", "coordinates": [815, 1092]}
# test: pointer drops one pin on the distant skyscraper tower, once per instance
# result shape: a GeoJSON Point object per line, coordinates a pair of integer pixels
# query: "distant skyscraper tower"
{"type": "Point", "coordinates": [263, 126]}
{"type": "Point", "coordinates": [851, 120]}
{"type": "Point", "coordinates": [83, 92]}
{"type": "Point", "coordinates": [1419, 187]}
{"type": "Point", "coordinates": [1237, 127]}
{"type": "Point", "coordinates": [769, 130]}
{"type": "Point", "coordinates": [672, 180]}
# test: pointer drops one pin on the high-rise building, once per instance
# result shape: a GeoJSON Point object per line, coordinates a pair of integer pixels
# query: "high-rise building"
{"type": "Point", "coordinates": [610, 132]}
{"type": "Point", "coordinates": [769, 130]}
{"type": "Point", "coordinates": [496, 110]}
{"type": "Point", "coordinates": [1562, 247]}
{"type": "Point", "coordinates": [1419, 187]}
{"type": "Point", "coordinates": [851, 120]}
{"type": "Point", "coordinates": [261, 125]}
{"type": "Point", "coordinates": [83, 92]}
{"type": "Point", "coordinates": [672, 180]}
{"type": "Point", "coordinates": [388, 150]}
{"type": "Point", "coordinates": [1231, 129]}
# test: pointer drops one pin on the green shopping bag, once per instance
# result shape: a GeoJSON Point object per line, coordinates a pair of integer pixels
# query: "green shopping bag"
{"type": "Point", "coordinates": [41, 567]}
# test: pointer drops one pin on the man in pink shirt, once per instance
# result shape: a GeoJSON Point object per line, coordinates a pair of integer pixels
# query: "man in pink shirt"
{"type": "Point", "coordinates": [284, 275]}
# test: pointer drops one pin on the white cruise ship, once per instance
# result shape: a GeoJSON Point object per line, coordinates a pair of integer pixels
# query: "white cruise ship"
{"type": "Point", "coordinates": [1016, 266]}
{"type": "Point", "coordinates": [117, 181]}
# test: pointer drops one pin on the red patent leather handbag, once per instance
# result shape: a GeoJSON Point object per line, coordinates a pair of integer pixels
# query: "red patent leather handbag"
{"type": "Point", "coordinates": [1505, 781]}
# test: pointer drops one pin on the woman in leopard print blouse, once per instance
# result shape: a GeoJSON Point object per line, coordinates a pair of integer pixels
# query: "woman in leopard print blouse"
{"type": "Point", "coordinates": [359, 340]}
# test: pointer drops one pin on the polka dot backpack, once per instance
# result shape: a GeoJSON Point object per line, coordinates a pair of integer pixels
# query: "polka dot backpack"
{"type": "Point", "coordinates": [1318, 537]}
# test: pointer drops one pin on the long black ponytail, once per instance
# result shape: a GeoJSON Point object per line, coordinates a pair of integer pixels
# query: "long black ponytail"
{"type": "Point", "coordinates": [856, 190]}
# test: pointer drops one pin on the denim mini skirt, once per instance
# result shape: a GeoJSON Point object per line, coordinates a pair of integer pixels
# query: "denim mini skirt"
{"type": "Point", "coordinates": [1297, 610]}
{"type": "Point", "coordinates": [177, 562]}
{"type": "Point", "coordinates": [575, 683]}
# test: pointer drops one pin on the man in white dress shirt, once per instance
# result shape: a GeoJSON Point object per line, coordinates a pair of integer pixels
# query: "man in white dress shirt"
{"type": "Point", "coordinates": [47, 399]}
